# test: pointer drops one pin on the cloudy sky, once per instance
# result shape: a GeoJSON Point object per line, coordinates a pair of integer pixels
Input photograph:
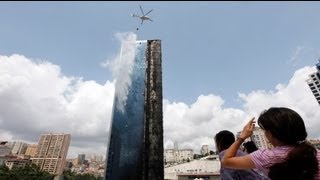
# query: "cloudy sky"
{"type": "Point", "coordinates": [223, 62]}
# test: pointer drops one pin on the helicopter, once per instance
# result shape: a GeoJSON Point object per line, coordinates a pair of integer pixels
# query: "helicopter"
{"type": "Point", "coordinates": [144, 17]}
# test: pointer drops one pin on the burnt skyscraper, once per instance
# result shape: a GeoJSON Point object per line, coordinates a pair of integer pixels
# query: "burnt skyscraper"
{"type": "Point", "coordinates": [314, 82]}
{"type": "Point", "coordinates": [135, 147]}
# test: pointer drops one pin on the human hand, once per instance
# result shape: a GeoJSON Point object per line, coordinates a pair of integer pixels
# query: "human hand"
{"type": "Point", "coordinates": [248, 129]}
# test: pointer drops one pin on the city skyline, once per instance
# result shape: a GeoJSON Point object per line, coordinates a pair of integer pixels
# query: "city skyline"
{"type": "Point", "coordinates": [223, 62]}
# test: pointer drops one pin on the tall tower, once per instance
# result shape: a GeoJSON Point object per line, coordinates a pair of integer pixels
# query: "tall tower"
{"type": "Point", "coordinates": [314, 82]}
{"type": "Point", "coordinates": [51, 152]}
{"type": "Point", "coordinates": [135, 148]}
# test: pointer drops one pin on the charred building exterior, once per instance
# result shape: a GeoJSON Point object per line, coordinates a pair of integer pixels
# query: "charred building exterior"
{"type": "Point", "coordinates": [135, 149]}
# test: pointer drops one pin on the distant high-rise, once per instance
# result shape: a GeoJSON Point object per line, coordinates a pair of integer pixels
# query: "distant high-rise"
{"type": "Point", "coordinates": [51, 152]}
{"type": "Point", "coordinates": [81, 158]}
{"type": "Point", "coordinates": [204, 150]}
{"type": "Point", "coordinates": [314, 82]}
{"type": "Point", "coordinates": [259, 138]}
{"type": "Point", "coordinates": [19, 148]}
{"type": "Point", "coordinates": [31, 150]}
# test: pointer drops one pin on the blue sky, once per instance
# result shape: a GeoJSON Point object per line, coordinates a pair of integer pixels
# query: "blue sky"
{"type": "Point", "coordinates": [219, 48]}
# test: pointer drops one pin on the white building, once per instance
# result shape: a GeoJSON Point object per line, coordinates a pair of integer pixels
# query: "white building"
{"type": "Point", "coordinates": [15, 162]}
{"type": "Point", "coordinates": [206, 169]}
{"type": "Point", "coordinates": [185, 155]}
{"type": "Point", "coordinates": [204, 150]}
{"type": "Point", "coordinates": [259, 138]}
{"type": "Point", "coordinates": [177, 156]}
{"type": "Point", "coordinates": [19, 148]}
{"type": "Point", "coordinates": [169, 155]}
{"type": "Point", "coordinates": [314, 83]}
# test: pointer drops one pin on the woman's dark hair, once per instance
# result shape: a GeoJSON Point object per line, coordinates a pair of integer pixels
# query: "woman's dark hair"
{"type": "Point", "coordinates": [224, 139]}
{"type": "Point", "coordinates": [288, 127]}
{"type": "Point", "coordinates": [250, 146]}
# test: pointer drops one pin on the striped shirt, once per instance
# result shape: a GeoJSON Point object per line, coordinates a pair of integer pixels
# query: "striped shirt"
{"type": "Point", "coordinates": [237, 174]}
{"type": "Point", "coordinates": [263, 159]}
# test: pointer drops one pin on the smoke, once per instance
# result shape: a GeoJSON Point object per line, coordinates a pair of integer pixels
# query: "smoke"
{"type": "Point", "coordinates": [122, 65]}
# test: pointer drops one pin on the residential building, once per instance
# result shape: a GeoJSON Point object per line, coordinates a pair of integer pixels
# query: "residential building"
{"type": "Point", "coordinates": [259, 138]}
{"type": "Point", "coordinates": [14, 161]}
{"type": "Point", "coordinates": [177, 156]}
{"type": "Point", "coordinates": [19, 148]}
{"type": "Point", "coordinates": [185, 155]}
{"type": "Point", "coordinates": [81, 158]}
{"type": "Point", "coordinates": [31, 149]}
{"type": "Point", "coordinates": [51, 152]}
{"type": "Point", "coordinates": [314, 83]}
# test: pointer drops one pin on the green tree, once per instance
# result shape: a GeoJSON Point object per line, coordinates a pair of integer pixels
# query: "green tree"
{"type": "Point", "coordinates": [85, 177]}
{"type": "Point", "coordinates": [68, 175]}
{"type": "Point", "coordinates": [4, 172]}
{"type": "Point", "coordinates": [197, 156]}
{"type": "Point", "coordinates": [30, 171]}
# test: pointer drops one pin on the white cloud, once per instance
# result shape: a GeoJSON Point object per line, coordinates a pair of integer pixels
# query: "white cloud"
{"type": "Point", "coordinates": [197, 124]}
{"type": "Point", "coordinates": [36, 98]}
{"type": "Point", "coordinates": [296, 95]}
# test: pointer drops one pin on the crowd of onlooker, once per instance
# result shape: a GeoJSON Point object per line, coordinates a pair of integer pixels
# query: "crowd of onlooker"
{"type": "Point", "coordinates": [291, 158]}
